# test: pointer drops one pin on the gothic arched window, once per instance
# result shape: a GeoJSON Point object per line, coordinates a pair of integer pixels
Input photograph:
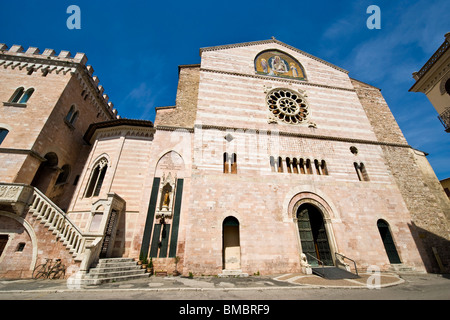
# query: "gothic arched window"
{"type": "Point", "coordinates": [3, 134]}
{"type": "Point", "coordinates": [71, 116]}
{"type": "Point", "coordinates": [97, 177]}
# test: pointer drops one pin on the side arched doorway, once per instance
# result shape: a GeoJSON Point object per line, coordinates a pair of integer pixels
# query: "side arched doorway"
{"type": "Point", "coordinates": [388, 241]}
{"type": "Point", "coordinates": [231, 249]}
{"type": "Point", "coordinates": [46, 172]}
{"type": "Point", "coordinates": [313, 235]}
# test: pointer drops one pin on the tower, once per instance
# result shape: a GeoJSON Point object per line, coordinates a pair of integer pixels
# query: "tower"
{"type": "Point", "coordinates": [48, 102]}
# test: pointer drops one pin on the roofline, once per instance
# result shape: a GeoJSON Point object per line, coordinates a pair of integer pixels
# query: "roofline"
{"type": "Point", "coordinates": [197, 65]}
{"type": "Point", "coordinates": [273, 40]}
{"type": "Point", "coordinates": [365, 83]}
{"type": "Point", "coordinates": [115, 123]}
{"type": "Point", "coordinates": [431, 61]}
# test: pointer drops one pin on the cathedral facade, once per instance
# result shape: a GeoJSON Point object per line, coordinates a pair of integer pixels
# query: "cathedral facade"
{"type": "Point", "coordinates": [271, 160]}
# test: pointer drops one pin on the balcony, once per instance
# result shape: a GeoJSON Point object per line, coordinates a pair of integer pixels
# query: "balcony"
{"type": "Point", "coordinates": [15, 197]}
{"type": "Point", "coordinates": [444, 117]}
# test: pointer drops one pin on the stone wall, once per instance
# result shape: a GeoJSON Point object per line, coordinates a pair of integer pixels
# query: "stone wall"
{"type": "Point", "coordinates": [421, 191]}
{"type": "Point", "coordinates": [38, 244]}
{"type": "Point", "coordinates": [183, 113]}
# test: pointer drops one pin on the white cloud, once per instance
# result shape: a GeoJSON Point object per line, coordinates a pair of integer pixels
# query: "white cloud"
{"type": "Point", "coordinates": [416, 27]}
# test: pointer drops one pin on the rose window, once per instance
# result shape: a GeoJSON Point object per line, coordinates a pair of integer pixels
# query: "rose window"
{"type": "Point", "coordinates": [287, 105]}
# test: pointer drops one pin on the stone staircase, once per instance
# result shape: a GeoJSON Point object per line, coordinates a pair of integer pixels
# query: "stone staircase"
{"type": "Point", "coordinates": [113, 270]}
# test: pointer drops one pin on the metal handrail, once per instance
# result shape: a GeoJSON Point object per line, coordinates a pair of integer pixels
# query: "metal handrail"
{"type": "Point", "coordinates": [321, 262]}
{"type": "Point", "coordinates": [354, 263]}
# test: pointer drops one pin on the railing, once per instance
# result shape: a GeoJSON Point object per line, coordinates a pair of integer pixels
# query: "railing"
{"type": "Point", "coordinates": [344, 257]}
{"type": "Point", "coordinates": [55, 219]}
{"type": "Point", "coordinates": [319, 261]}
{"type": "Point", "coordinates": [91, 254]}
{"type": "Point", "coordinates": [439, 52]}
{"type": "Point", "coordinates": [84, 246]}
{"type": "Point", "coordinates": [444, 117]}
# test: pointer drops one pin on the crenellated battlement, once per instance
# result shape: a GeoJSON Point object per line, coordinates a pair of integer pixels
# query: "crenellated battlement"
{"type": "Point", "coordinates": [50, 54]}
{"type": "Point", "coordinates": [48, 61]}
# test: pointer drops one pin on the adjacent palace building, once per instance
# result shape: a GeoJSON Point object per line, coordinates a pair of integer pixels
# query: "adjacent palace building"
{"type": "Point", "coordinates": [271, 161]}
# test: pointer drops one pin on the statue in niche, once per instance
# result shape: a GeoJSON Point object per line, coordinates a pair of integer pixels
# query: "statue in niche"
{"type": "Point", "coordinates": [166, 195]}
{"type": "Point", "coordinates": [165, 198]}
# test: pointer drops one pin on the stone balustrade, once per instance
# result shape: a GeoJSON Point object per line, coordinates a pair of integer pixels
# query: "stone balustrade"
{"type": "Point", "coordinates": [56, 220]}
{"type": "Point", "coordinates": [85, 247]}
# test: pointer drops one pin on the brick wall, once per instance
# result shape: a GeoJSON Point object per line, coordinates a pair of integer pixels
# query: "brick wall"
{"type": "Point", "coordinates": [38, 246]}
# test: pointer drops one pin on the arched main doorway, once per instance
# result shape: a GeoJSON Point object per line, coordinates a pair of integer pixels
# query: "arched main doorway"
{"type": "Point", "coordinates": [313, 235]}
{"type": "Point", "coordinates": [231, 249]}
{"type": "Point", "coordinates": [388, 241]}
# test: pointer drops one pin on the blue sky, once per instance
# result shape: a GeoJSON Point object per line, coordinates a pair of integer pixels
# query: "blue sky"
{"type": "Point", "coordinates": [135, 47]}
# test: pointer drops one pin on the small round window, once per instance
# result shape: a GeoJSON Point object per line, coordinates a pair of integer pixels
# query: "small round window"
{"type": "Point", "coordinates": [287, 105]}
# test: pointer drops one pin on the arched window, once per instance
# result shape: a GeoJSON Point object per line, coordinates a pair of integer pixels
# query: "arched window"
{"type": "Point", "coordinates": [447, 86]}
{"type": "Point", "coordinates": [75, 117]}
{"type": "Point", "coordinates": [3, 134]}
{"type": "Point", "coordinates": [309, 169]}
{"type": "Point", "coordinates": [63, 175]}
{"type": "Point", "coordinates": [234, 163]}
{"type": "Point", "coordinates": [316, 164]}
{"type": "Point", "coordinates": [26, 96]}
{"type": "Point", "coordinates": [272, 163]}
{"type": "Point", "coordinates": [17, 94]}
{"type": "Point", "coordinates": [229, 163]}
{"type": "Point", "coordinates": [71, 116]}
{"type": "Point", "coordinates": [295, 165]}
{"type": "Point", "coordinates": [288, 165]}
{"type": "Point", "coordinates": [97, 177]}
{"type": "Point", "coordinates": [280, 164]}
{"type": "Point", "coordinates": [302, 166]}
{"type": "Point", "coordinates": [361, 171]}
{"type": "Point", "coordinates": [226, 166]}
{"type": "Point", "coordinates": [323, 165]}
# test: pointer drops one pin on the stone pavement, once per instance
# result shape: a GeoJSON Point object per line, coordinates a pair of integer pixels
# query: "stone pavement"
{"type": "Point", "coordinates": [168, 283]}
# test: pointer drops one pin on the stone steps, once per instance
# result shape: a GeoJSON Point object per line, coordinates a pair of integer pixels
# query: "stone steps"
{"type": "Point", "coordinates": [232, 273]}
{"type": "Point", "coordinates": [401, 268]}
{"type": "Point", "coordinates": [113, 270]}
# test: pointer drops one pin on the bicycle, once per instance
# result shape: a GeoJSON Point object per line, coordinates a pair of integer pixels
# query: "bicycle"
{"type": "Point", "coordinates": [49, 270]}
